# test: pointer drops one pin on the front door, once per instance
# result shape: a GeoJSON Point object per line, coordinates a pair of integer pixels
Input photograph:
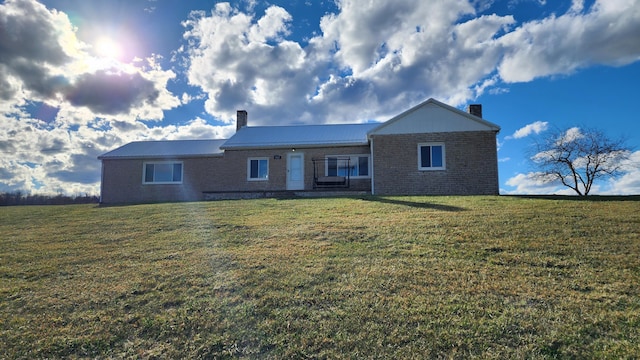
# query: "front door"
{"type": "Point", "coordinates": [295, 171]}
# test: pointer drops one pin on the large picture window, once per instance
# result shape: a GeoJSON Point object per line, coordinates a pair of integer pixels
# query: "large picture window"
{"type": "Point", "coordinates": [431, 156]}
{"type": "Point", "coordinates": [165, 172]}
{"type": "Point", "coordinates": [353, 166]}
{"type": "Point", "coordinates": [258, 169]}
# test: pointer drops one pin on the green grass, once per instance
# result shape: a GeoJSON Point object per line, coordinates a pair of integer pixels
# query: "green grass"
{"type": "Point", "coordinates": [399, 277]}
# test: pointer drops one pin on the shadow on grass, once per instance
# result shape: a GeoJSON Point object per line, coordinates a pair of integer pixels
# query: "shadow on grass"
{"type": "Point", "coordinates": [422, 205]}
{"type": "Point", "coordinates": [580, 198]}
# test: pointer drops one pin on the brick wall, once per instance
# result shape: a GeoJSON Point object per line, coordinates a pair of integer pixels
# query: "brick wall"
{"type": "Point", "coordinates": [122, 181]}
{"type": "Point", "coordinates": [471, 168]}
{"type": "Point", "coordinates": [471, 164]}
{"type": "Point", "coordinates": [122, 178]}
{"type": "Point", "coordinates": [236, 168]}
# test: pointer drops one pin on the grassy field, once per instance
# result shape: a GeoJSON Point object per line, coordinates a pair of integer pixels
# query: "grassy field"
{"type": "Point", "coordinates": [350, 278]}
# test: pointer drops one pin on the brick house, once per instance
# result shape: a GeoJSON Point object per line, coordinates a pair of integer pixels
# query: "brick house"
{"type": "Point", "coordinates": [430, 149]}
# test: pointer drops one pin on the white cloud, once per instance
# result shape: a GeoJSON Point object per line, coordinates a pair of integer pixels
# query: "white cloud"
{"type": "Point", "coordinates": [570, 135]}
{"type": "Point", "coordinates": [629, 182]}
{"type": "Point", "coordinates": [42, 60]}
{"type": "Point", "coordinates": [371, 59]}
{"type": "Point", "coordinates": [577, 6]}
{"type": "Point", "coordinates": [236, 61]}
{"type": "Point", "coordinates": [533, 128]}
{"type": "Point", "coordinates": [533, 184]}
{"type": "Point", "coordinates": [369, 62]}
{"type": "Point", "coordinates": [606, 34]}
{"type": "Point", "coordinates": [194, 129]}
{"type": "Point", "coordinates": [273, 26]}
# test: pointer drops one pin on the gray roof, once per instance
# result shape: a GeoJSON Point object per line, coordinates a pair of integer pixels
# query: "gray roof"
{"type": "Point", "coordinates": [299, 135]}
{"type": "Point", "coordinates": [166, 149]}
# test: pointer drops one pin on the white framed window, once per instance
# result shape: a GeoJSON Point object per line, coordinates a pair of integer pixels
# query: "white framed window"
{"type": "Point", "coordinates": [354, 166]}
{"type": "Point", "coordinates": [431, 156]}
{"type": "Point", "coordinates": [258, 169]}
{"type": "Point", "coordinates": [162, 172]}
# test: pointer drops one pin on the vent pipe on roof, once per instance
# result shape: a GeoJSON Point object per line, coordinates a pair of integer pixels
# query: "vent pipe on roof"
{"type": "Point", "coordinates": [241, 119]}
{"type": "Point", "coordinates": [475, 110]}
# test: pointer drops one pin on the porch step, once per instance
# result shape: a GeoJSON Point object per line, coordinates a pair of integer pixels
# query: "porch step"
{"type": "Point", "coordinates": [284, 194]}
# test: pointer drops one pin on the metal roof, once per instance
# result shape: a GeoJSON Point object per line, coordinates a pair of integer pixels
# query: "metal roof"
{"type": "Point", "coordinates": [166, 149]}
{"type": "Point", "coordinates": [263, 137]}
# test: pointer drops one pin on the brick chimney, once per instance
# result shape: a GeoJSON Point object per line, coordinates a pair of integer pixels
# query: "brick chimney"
{"type": "Point", "coordinates": [475, 110]}
{"type": "Point", "coordinates": [241, 119]}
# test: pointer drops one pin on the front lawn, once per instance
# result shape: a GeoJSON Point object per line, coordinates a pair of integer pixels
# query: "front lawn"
{"type": "Point", "coordinates": [370, 277]}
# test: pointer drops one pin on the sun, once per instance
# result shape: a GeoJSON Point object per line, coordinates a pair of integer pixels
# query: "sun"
{"type": "Point", "coordinates": [108, 48]}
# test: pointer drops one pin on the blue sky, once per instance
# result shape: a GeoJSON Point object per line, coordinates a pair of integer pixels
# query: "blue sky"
{"type": "Point", "coordinates": [80, 78]}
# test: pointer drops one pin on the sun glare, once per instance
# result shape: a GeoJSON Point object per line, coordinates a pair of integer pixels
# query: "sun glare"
{"type": "Point", "coordinates": [107, 48]}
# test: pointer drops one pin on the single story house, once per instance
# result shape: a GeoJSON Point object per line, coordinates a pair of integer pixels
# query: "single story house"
{"type": "Point", "coordinates": [430, 149]}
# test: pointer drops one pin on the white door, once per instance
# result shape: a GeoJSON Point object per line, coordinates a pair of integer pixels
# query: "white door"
{"type": "Point", "coordinates": [295, 171]}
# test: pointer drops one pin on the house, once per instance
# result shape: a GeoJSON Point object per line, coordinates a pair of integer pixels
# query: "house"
{"type": "Point", "coordinates": [430, 149]}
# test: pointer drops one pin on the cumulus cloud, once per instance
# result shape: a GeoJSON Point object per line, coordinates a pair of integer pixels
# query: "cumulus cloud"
{"type": "Point", "coordinates": [382, 56]}
{"type": "Point", "coordinates": [44, 66]}
{"type": "Point", "coordinates": [41, 59]}
{"type": "Point", "coordinates": [370, 60]}
{"type": "Point", "coordinates": [570, 135]}
{"type": "Point", "coordinates": [237, 61]}
{"type": "Point", "coordinates": [533, 128]}
{"type": "Point", "coordinates": [111, 93]}
{"type": "Point", "coordinates": [534, 184]}
{"type": "Point", "coordinates": [626, 184]}
{"type": "Point", "coordinates": [31, 45]}
{"type": "Point", "coordinates": [606, 34]}
{"type": "Point", "coordinates": [629, 182]}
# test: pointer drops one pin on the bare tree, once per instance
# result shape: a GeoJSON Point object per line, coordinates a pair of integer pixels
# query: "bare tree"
{"type": "Point", "coordinates": [578, 156]}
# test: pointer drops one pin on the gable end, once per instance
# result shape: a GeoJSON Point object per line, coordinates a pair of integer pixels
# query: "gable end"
{"type": "Point", "coordinates": [433, 116]}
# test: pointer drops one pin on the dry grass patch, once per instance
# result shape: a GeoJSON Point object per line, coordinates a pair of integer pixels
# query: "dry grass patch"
{"type": "Point", "coordinates": [404, 277]}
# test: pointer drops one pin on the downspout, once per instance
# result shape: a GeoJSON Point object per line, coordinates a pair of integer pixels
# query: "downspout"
{"type": "Point", "coordinates": [373, 192]}
{"type": "Point", "coordinates": [101, 179]}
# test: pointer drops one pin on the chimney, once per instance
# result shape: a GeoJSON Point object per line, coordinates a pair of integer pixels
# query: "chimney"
{"type": "Point", "coordinates": [475, 110]}
{"type": "Point", "coordinates": [241, 119]}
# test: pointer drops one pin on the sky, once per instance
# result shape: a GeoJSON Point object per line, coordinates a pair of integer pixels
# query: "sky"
{"type": "Point", "coordinates": [79, 78]}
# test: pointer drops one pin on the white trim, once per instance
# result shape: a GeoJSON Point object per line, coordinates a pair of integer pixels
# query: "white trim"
{"type": "Point", "coordinates": [481, 123]}
{"type": "Point", "coordinates": [102, 179]}
{"type": "Point", "coordinates": [373, 192]}
{"type": "Point", "coordinates": [432, 168]}
{"type": "Point", "coordinates": [259, 158]}
{"type": "Point", "coordinates": [144, 173]}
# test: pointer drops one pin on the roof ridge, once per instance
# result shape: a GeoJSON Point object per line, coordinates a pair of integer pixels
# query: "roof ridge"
{"type": "Point", "coordinates": [307, 125]}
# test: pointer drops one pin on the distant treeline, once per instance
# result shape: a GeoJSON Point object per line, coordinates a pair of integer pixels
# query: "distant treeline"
{"type": "Point", "coordinates": [20, 198]}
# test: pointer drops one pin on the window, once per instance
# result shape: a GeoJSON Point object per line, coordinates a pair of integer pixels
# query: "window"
{"type": "Point", "coordinates": [162, 173]}
{"type": "Point", "coordinates": [258, 169]}
{"type": "Point", "coordinates": [353, 166]}
{"type": "Point", "coordinates": [431, 156]}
